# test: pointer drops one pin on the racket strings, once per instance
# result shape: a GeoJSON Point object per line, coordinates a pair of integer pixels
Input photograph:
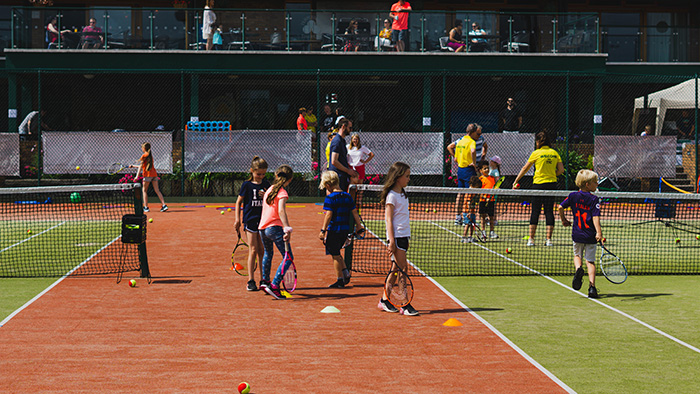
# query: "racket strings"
{"type": "Point", "coordinates": [612, 267]}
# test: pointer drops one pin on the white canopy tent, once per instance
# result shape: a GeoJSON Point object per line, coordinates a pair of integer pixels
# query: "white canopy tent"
{"type": "Point", "coordinates": [681, 96]}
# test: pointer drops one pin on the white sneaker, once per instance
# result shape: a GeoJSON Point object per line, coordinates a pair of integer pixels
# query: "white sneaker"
{"type": "Point", "coordinates": [530, 243]}
{"type": "Point", "coordinates": [467, 240]}
{"type": "Point", "coordinates": [548, 243]}
{"type": "Point", "coordinates": [145, 209]}
{"type": "Point", "coordinates": [493, 235]}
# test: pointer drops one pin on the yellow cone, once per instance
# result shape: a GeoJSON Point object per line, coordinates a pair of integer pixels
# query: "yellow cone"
{"type": "Point", "coordinates": [452, 323]}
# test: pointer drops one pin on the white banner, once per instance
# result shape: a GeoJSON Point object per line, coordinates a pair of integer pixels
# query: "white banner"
{"type": "Point", "coordinates": [232, 151]}
{"type": "Point", "coordinates": [627, 156]}
{"type": "Point", "coordinates": [513, 148]}
{"type": "Point", "coordinates": [421, 151]}
{"type": "Point", "coordinates": [95, 151]}
{"type": "Point", "coordinates": [9, 154]}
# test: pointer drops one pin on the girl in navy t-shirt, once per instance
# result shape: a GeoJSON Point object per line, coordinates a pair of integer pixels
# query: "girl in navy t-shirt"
{"type": "Point", "coordinates": [248, 212]}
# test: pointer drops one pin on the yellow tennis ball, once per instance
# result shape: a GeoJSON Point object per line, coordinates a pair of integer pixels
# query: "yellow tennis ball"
{"type": "Point", "coordinates": [77, 168]}
{"type": "Point", "coordinates": [150, 220]}
{"type": "Point", "coordinates": [132, 283]}
{"type": "Point", "coordinates": [222, 212]}
{"type": "Point", "coordinates": [29, 231]}
{"type": "Point", "coordinates": [243, 388]}
{"type": "Point", "coordinates": [697, 237]}
{"type": "Point", "coordinates": [678, 240]}
{"type": "Point", "coordinates": [229, 209]}
{"type": "Point", "coordinates": [434, 210]}
{"type": "Point", "coordinates": [427, 210]}
{"type": "Point", "coordinates": [509, 250]}
{"type": "Point", "coordinates": [526, 237]}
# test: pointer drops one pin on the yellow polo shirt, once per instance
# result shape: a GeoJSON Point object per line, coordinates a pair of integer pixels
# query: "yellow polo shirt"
{"type": "Point", "coordinates": [545, 160]}
{"type": "Point", "coordinates": [463, 151]}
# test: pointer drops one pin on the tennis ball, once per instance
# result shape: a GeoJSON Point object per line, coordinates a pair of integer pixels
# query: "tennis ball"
{"type": "Point", "coordinates": [29, 231]}
{"type": "Point", "coordinates": [229, 209]}
{"type": "Point", "coordinates": [222, 212]}
{"type": "Point", "coordinates": [150, 220]}
{"type": "Point", "coordinates": [697, 237]}
{"type": "Point", "coordinates": [132, 283]}
{"type": "Point", "coordinates": [434, 210]}
{"type": "Point", "coordinates": [509, 250]}
{"type": "Point", "coordinates": [678, 240]}
{"type": "Point", "coordinates": [244, 388]}
{"type": "Point", "coordinates": [77, 167]}
{"type": "Point", "coordinates": [526, 237]}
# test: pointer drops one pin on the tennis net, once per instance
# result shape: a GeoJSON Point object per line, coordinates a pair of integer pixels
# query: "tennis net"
{"type": "Point", "coordinates": [653, 233]}
{"type": "Point", "coordinates": [55, 231]}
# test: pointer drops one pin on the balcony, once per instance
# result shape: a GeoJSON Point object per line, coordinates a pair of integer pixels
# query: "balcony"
{"type": "Point", "coordinates": [298, 30]}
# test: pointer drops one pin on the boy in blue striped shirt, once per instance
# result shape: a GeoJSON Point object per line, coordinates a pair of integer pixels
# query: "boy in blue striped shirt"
{"type": "Point", "coordinates": [338, 207]}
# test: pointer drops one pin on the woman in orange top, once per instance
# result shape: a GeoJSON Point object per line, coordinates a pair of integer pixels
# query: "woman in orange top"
{"type": "Point", "coordinates": [149, 173]}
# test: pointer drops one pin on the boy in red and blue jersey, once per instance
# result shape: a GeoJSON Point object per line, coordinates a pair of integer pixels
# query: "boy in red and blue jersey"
{"type": "Point", "coordinates": [586, 231]}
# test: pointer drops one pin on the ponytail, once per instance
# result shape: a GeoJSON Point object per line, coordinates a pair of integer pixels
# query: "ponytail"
{"type": "Point", "coordinates": [282, 175]}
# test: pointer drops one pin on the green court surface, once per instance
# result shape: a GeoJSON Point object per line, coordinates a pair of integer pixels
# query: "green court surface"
{"type": "Point", "coordinates": [64, 245]}
{"type": "Point", "coordinates": [591, 348]}
{"type": "Point", "coordinates": [437, 248]}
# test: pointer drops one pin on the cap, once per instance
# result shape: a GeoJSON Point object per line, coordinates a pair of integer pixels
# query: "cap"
{"type": "Point", "coordinates": [496, 160]}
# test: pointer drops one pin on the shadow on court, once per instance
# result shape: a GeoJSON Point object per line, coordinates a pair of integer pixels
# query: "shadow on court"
{"type": "Point", "coordinates": [634, 297]}
{"type": "Point", "coordinates": [459, 310]}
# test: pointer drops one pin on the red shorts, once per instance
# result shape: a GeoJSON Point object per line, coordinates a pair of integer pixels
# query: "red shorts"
{"type": "Point", "coordinates": [360, 170]}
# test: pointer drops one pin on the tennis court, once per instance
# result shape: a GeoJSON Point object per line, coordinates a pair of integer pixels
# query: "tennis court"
{"type": "Point", "coordinates": [195, 328]}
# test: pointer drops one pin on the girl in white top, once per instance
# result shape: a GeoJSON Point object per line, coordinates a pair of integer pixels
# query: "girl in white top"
{"type": "Point", "coordinates": [358, 156]}
{"type": "Point", "coordinates": [208, 21]}
{"type": "Point", "coordinates": [398, 226]}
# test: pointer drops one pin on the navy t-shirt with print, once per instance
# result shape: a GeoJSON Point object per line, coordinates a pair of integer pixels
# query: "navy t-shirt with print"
{"type": "Point", "coordinates": [252, 200]}
{"type": "Point", "coordinates": [584, 206]}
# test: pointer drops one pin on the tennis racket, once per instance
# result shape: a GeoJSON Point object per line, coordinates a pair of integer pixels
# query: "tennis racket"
{"type": "Point", "coordinates": [478, 234]}
{"type": "Point", "coordinates": [359, 234]}
{"type": "Point", "coordinates": [289, 279]}
{"type": "Point", "coordinates": [612, 267]}
{"type": "Point", "coordinates": [239, 257]}
{"type": "Point", "coordinates": [398, 287]}
{"type": "Point", "coordinates": [115, 168]}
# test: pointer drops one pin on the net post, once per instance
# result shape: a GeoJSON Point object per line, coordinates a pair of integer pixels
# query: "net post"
{"type": "Point", "coordinates": [143, 254]}
{"type": "Point", "coordinates": [348, 249]}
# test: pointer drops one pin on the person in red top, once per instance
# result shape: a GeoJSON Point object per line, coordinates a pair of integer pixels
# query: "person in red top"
{"type": "Point", "coordinates": [148, 170]}
{"type": "Point", "coordinates": [301, 121]}
{"type": "Point", "coordinates": [399, 28]}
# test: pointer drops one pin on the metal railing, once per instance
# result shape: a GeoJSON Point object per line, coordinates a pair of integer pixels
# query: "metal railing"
{"type": "Point", "coordinates": [298, 30]}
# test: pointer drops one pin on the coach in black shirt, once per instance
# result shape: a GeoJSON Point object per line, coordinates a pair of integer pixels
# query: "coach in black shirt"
{"type": "Point", "coordinates": [510, 119]}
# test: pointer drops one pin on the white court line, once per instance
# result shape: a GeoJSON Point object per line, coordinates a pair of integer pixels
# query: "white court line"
{"type": "Point", "coordinates": [489, 326]}
{"type": "Point", "coordinates": [634, 319]}
{"type": "Point", "coordinates": [27, 239]}
{"type": "Point", "coordinates": [20, 309]}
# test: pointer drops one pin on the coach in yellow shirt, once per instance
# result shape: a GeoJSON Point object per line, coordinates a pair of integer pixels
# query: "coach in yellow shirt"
{"type": "Point", "coordinates": [464, 152]}
{"type": "Point", "coordinates": [548, 166]}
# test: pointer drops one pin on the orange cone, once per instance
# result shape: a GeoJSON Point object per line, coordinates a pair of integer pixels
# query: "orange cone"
{"type": "Point", "coordinates": [452, 323]}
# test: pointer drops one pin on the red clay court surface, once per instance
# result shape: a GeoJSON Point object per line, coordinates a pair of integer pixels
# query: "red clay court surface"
{"type": "Point", "coordinates": [196, 328]}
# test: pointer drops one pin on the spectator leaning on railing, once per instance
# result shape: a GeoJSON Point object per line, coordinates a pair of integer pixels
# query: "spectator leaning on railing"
{"type": "Point", "coordinates": [400, 26]}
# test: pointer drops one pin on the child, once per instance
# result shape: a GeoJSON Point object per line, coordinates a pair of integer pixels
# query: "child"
{"type": "Point", "coordinates": [148, 171]}
{"type": "Point", "coordinates": [586, 231]}
{"type": "Point", "coordinates": [487, 202]}
{"type": "Point", "coordinates": [275, 228]}
{"type": "Point", "coordinates": [248, 211]}
{"type": "Point", "coordinates": [495, 168]}
{"type": "Point", "coordinates": [398, 227]}
{"type": "Point", "coordinates": [474, 183]}
{"type": "Point", "coordinates": [336, 224]}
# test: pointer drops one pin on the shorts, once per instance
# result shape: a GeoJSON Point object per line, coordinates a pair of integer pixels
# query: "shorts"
{"type": "Point", "coordinates": [456, 45]}
{"type": "Point", "coordinates": [402, 243]}
{"type": "Point", "coordinates": [360, 171]}
{"type": "Point", "coordinates": [398, 35]}
{"type": "Point", "coordinates": [586, 251]}
{"type": "Point", "coordinates": [344, 181]}
{"type": "Point", "coordinates": [487, 208]}
{"type": "Point", "coordinates": [149, 178]}
{"type": "Point", "coordinates": [464, 174]}
{"type": "Point", "coordinates": [251, 226]}
{"type": "Point", "coordinates": [335, 242]}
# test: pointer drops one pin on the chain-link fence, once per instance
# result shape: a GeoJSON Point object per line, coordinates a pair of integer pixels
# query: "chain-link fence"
{"type": "Point", "coordinates": [407, 116]}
